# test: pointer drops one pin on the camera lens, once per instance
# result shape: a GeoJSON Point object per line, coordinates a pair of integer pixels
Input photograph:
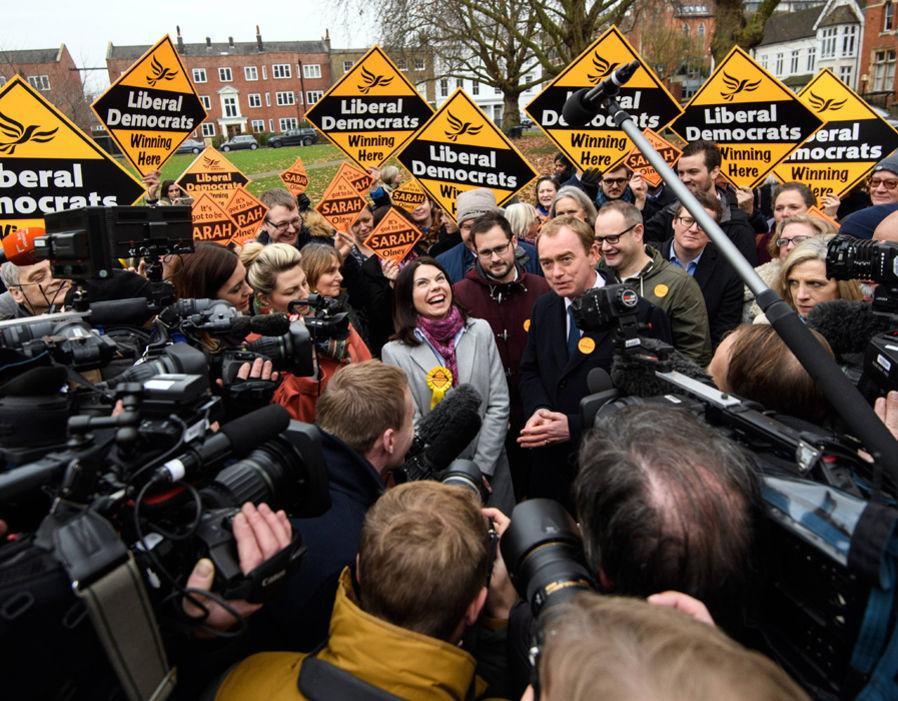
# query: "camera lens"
{"type": "Point", "coordinates": [543, 553]}
{"type": "Point", "coordinates": [464, 473]}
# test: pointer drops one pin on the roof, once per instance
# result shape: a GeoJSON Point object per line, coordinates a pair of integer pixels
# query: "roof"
{"type": "Point", "coordinates": [840, 15]}
{"type": "Point", "coordinates": [789, 26]}
{"type": "Point", "coordinates": [24, 56]}
{"type": "Point", "coordinates": [239, 48]}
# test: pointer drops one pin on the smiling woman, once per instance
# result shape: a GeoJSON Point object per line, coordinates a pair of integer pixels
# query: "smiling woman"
{"type": "Point", "coordinates": [439, 348]}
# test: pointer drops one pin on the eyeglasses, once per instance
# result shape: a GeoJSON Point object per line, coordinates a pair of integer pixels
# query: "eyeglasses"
{"type": "Point", "coordinates": [687, 222]}
{"type": "Point", "coordinates": [795, 240]}
{"type": "Point", "coordinates": [500, 251]}
{"type": "Point", "coordinates": [614, 239]}
{"type": "Point", "coordinates": [295, 223]}
{"type": "Point", "coordinates": [888, 184]}
{"type": "Point", "coordinates": [613, 181]}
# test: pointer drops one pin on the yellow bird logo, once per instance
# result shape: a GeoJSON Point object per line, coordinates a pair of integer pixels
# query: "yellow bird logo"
{"type": "Point", "coordinates": [821, 105]}
{"type": "Point", "coordinates": [602, 67]}
{"type": "Point", "coordinates": [211, 163]}
{"type": "Point", "coordinates": [736, 86]}
{"type": "Point", "coordinates": [372, 80]}
{"type": "Point", "coordinates": [459, 127]}
{"type": "Point", "coordinates": [159, 73]}
{"type": "Point", "coordinates": [20, 134]}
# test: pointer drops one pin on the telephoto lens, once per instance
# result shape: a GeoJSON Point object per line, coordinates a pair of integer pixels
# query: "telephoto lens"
{"type": "Point", "coordinates": [465, 473]}
{"type": "Point", "coordinates": [544, 555]}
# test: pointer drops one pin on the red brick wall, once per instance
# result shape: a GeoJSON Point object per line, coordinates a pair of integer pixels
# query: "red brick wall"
{"type": "Point", "coordinates": [876, 39]}
{"type": "Point", "coordinates": [210, 88]}
{"type": "Point", "coordinates": [66, 89]}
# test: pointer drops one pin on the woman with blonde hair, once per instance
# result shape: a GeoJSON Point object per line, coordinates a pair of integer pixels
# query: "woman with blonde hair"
{"type": "Point", "coordinates": [802, 281]}
{"type": "Point", "coordinates": [276, 275]}
{"type": "Point", "coordinates": [524, 220]}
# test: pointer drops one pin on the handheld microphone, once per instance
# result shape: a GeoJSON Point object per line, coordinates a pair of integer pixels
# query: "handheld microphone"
{"type": "Point", "coordinates": [585, 104]}
{"type": "Point", "coordinates": [847, 325]}
{"type": "Point", "coordinates": [444, 433]}
{"type": "Point", "coordinates": [235, 439]}
{"type": "Point", "coordinates": [18, 247]}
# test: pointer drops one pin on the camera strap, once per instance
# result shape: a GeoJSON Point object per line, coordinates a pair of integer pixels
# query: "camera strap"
{"type": "Point", "coordinates": [319, 680]}
{"type": "Point", "coordinates": [105, 577]}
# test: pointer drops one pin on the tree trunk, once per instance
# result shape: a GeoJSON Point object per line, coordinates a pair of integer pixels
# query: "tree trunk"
{"type": "Point", "coordinates": [511, 116]}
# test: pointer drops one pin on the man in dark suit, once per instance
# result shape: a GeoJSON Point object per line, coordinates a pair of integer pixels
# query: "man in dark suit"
{"type": "Point", "coordinates": [692, 250]}
{"type": "Point", "coordinates": [558, 356]}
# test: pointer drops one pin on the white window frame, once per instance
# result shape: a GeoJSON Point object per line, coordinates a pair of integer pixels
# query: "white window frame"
{"type": "Point", "coordinates": [206, 101]}
{"type": "Point", "coordinates": [39, 82]}
{"type": "Point", "coordinates": [347, 66]}
{"type": "Point", "coordinates": [281, 71]}
{"type": "Point", "coordinates": [270, 124]}
{"type": "Point", "coordinates": [264, 72]}
{"type": "Point", "coordinates": [811, 60]}
{"type": "Point", "coordinates": [312, 96]}
{"type": "Point", "coordinates": [230, 106]}
{"type": "Point", "coordinates": [268, 99]}
{"type": "Point", "coordinates": [444, 87]}
{"type": "Point", "coordinates": [475, 87]}
{"type": "Point", "coordinates": [254, 100]}
{"type": "Point", "coordinates": [208, 129]}
{"type": "Point", "coordinates": [420, 65]}
{"type": "Point", "coordinates": [258, 126]}
{"type": "Point", "coordinates": [285, 123]}
{"type": "Point", "coordinates": [888, 16]}
{"type": "Point", "coordinates": [250, 73]}
{"type": "Point", "coordinates": [401, 64]}
{"type": "Point", "coordinates": [883, 68]}
{"type": "Point", "coordinates": [846, 74]}
{"type": "Point", "coordinates": [285, 98]}
{"type": "Point", "coordinates": [778, 65]}
{"type": "Point", "coordinates": [198, 75]}
{"type": "Point", "coordinates": [828, 42]}
{"type": "Point", "coordinates": [793, 61]}
{"type": "Point", "coordinates": [311, 70]}
{"type": "Point", "coordinates": [225, 74]}
{"type": "Point", "coordinates": [2, 80]}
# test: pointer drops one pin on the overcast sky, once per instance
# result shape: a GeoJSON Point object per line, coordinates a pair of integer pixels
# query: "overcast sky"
{"type": "Point", "coordinates": [87, 27]}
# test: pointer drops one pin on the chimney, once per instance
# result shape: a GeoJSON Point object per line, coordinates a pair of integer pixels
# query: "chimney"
{"type": "Point", "coordinates": [180, 41]}
{"type": "Point", "coordinates": [231, 42]}
{"type": "Point", "coordinates": [259, 39]}
{"type": "Point", "coordinates": [327, 38]}
{"type": "Point", "coordinates": [208, 44]}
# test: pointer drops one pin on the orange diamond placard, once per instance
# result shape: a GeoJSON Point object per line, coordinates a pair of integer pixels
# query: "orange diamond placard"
{"type": "Point", "coordinates": [214, 174]}
{"type": "Point", "coordinates": [359, 179]}
{"type": "Point", "coordinates": [247, 213]}
{"type": "Point", "coordinates": [394, 237]}
{"type": "Point", "coordinates": [341, 204]}
{"type": "Point", "coordinates": [295, 178]}
{"type": "Point", "coordinates": [640, 164]}
{"type": "Point", "coordinates": [210, 221]}
{"type": "Point", "coordinates": [409, 196]}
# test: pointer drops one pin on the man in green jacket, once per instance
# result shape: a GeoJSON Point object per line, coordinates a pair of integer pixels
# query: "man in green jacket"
{"type": "Point", "coordinates": [422, 568]}
{"type": "Point", "coordinates": [619, 232]}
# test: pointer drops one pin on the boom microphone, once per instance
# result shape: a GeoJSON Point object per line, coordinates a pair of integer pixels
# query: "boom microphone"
{"type": "Point", "coordinates": [18, 247]}
{"type": "Point", "coordinates": [264, 324]}
{"type": "Point", "coordinates": [585, 104]}
{"type": "Point", "coordinates": [636, 376]}
{"type": "Point", "coordinates": [444, 433]}
{"type": "Point", "coordinates": [847, 325]}
{"type": "Point", "coordinates": [235, 439]}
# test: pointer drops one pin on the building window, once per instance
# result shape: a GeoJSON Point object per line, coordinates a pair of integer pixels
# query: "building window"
{"type": "Point", "coordinates": [199, 75]}
{"type": "Point", "coordinates": [401, 64]}
{"type": "Point", "coordinates": [206, 101]}
{"type": "Point", "coordinates": [229, 107]}
{"type": "Point", "coordinates": [285, 98]}
{"type": "Point", "coordinates": [828, 47]}
{"type": "Point", "coordinates": [258, 126]}
{"type": "Point", "coordinates": [311, 70]}
{"type": "Point", "coordinates": [701, 30]}
{"type": "Point", "coordinates": [778, 65]}
{"type": "Point", "coordinates": [444, 87]}
{"type": "Point", "coordinates": [888, 16]}
{"type": "Point", "coordinates": [497, 91]}
{"type": "Point", "coordinates": [763, 61]}
{"type": "Point", "coordinates": [347, 66]}
{"type": "Point", "coordinates": [845, 75]}
{"type": "Point", "coordinates": [254, 99]}
{"type": "Point", "coordinates": [224, 74]}
{"type": "Point", "coordinates": [419, 64]}
{"type": "Point", "coordinates": [268, 99]}
{"type": "Point", "coordinates": [475, 87]}
{"type": "Point", "coordinates": [251, 72]}
{"type": "Point", "coordinates": [2, 80]}
{"type": "Point", "coordinates": [265, 75]}
{"type": "Point", "coordinates": [312, 96]}
{"type": "Point", "coordinates": [286, 123]}
{"type": "Point", "coordinates": [849, 40]}
{"type": "Point", "coordinates": [208, 129]}
{"type": "Point", "coordinates": [280, 71]}
{"type": "Point", "coordinates": [685, 29]}
{"type": "Point", "coordinates": [883, 70]}
{"type": "Point", "coordinates": [793, 62]}
{"type": "Point", "coordinates": [39, 82]}
{"type": "Point", "coordinates": [270, 125]}
{"type": "Point", "coordinates": [812, 59]}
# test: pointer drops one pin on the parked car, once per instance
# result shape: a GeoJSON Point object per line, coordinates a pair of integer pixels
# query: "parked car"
{"type": "Point", "coordinates": [526, 123]}
{"type": "Point", "coordinates": [886, 115]}
{"type": "Point", "coordinates": [293, 137]}
{"type": "Point", "coordinates": [235, 143]}
{"type": "Point", "coordinates": [191, 146]}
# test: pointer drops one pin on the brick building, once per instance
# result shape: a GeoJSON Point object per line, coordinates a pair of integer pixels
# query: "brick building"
{"type": "Point", "coordinates": [418, 67]}
{"type": "Point", "coordinates": [878, 47]}
{"type": "Point", "coordinates": [246, 86]}
{"type": "Point", "coordinates": [54, 74]}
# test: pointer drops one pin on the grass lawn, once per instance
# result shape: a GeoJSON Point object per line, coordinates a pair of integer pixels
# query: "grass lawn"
{"type": "Point", "coordinates": [322, 160]}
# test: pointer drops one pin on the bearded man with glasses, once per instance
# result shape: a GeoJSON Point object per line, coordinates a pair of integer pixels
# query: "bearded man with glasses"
{"type": "Point", "coordinates": [619, 236]}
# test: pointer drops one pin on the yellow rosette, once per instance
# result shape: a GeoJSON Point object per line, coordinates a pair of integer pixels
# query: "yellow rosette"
{"type": "Point", "coordinates": [439, 379]}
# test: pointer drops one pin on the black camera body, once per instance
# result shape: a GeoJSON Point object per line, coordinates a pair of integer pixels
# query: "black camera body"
{"type": "Point", "coordinates": [65, 337]}
{"type": "Point", "coordinates": [607, 307]}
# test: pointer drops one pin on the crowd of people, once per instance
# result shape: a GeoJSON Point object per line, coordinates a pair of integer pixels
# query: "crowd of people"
{"type": "Point", "coordinates": [403, 592]}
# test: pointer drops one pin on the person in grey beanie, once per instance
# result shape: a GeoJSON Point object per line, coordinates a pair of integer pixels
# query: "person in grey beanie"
{"type": "Point", "coordinates": [470, 205]}
{"type": "Point", "coordinates": [883, 182]}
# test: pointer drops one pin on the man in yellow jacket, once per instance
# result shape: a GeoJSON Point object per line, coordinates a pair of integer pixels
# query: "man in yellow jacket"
{"type": "Point", "coordinates": [422, 569]}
